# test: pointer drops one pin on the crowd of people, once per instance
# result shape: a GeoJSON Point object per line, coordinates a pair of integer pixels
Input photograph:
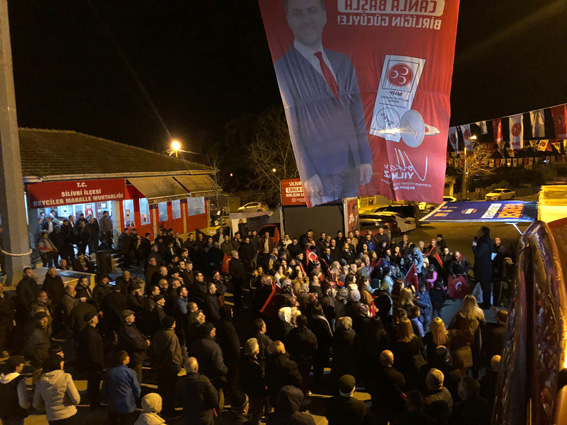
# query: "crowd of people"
{"type": "Point", "coordinates": [236, 329]}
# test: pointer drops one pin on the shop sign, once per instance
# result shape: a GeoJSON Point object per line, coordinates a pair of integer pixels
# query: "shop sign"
{"type": "Point", "coordinates": [54, 194]}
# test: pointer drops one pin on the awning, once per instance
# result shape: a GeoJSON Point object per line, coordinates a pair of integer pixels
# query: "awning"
{"type": "Point", "coordinates": [483, 212]}
{"type": "Point", "coordinates": [159, 189]}
{"type": "Point", "coordinates": [199, 185]}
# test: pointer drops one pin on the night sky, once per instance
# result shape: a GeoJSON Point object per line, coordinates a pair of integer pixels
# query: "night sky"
{"type": "Point", "coordinates": [128, 69]}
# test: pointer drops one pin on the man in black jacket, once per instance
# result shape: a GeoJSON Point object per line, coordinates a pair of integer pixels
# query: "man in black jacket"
{"type": "Point", "coordinates": [37, 345]}
{"type": "Point", "coordinates": [101, 290]}
{"type": "Point", "coordinates": [27, 292]}
{"type": "Point", "coordinates": [199, 396]}
{"type": "Point", "coordinates": [473, 409]}
{"type": "Point", "coordinates": [112, 306]}
{"type": "Point", "coordinates": [288, 405]}
{"type": "Point", "coordinates": [91, 357]}
{"type": "Point", "coordinates": [252, 380]}
{"type": "Point", "coordinates": [209, 354]}
{"type": "Point", "coordinates": [237, 273]}
{"type": "Point", "coordinates": [483, 248]}
{"type": "Point", "coordinates": [302, 345]}
{"type": "Point", "coordinates": [494, 336]}
{"type": "Point", "coordinates": [386, 387]}
{"type": "Point", "coordinates": [131, 340]}
{"type": "Point", "coordinates": [344, 409]}
{"type": "Point", "coordinates": [198, 290]}
{"type": "Point", "coordinates": [264, 340]}
{"type": "Point", "coordinates": [212, 304]}
{"type": "Point", "coordinates": [281, 371]}
{"type": "Point", "coordinates": [247, 254]}
{"type": "Point", "coordinates": [167, 360]}
{"type": "Point", "coordinates": [238, 412]}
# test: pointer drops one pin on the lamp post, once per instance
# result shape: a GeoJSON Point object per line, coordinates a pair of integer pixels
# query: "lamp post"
{"type": "Point", "coordinates": [15, 237]}
{"type": "Point", "coordinates": [465, 171]}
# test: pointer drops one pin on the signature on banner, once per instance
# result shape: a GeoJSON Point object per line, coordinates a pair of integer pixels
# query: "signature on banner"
{"type": "Point", "coordinates": [403, 168]}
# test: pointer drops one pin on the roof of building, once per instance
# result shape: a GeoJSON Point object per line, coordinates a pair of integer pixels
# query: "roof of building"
{"type": "Point", "coordinates": [62, 154]}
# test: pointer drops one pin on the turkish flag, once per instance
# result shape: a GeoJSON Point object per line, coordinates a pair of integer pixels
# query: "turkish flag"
{"type": "Point", "coordinates": [458, 287]}
{"type": "Point", "coordinates": [411, 277]}
{"type": "Point", "coordinates": [311, 256]}
{"type": "Point", "coordinates": [454, 138]}
{"type": "Point", "coordinates": [559, 114]}
{"type": "Point", "coordinates": [516, 132]}
{"type": "Point", "coordinates": [497, 127]}
{"type": "Point", "coordinates": [466, 129]}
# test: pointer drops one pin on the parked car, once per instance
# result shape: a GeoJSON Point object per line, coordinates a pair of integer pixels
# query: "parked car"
{"type": "Point", "coordinates": [253, 207]}
{"type": "Point", "coordinates": [500, 195]}
{"type": "Point", "coordinates": [394, 222]}
{"type": "Point", "coordinates": [403, 211]}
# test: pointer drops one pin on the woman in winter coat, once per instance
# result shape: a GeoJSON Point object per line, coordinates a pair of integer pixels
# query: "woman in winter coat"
{"type": "Point", "coordinates": [151, 406]}
{"type": "Point", "coordinates": [467, 324]}
{"type": "Point", "coordinates": [56, 393]}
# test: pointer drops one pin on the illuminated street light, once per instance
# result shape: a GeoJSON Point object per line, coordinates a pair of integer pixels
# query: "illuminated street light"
{"type": "Point", "coordinates": [231, 174]}
{"type": "Point", "coordinates": [273, 170]}
{"type": "Point", "coordinates": [175, 148]}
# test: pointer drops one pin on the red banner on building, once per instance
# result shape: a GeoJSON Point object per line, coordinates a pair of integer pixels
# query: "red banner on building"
{"type": "Point", "coordinates": [365, 86]}
{"type": "Point", "coordinates": [292, 192]}
{"type": "Point", "coordinates": [54, 194]}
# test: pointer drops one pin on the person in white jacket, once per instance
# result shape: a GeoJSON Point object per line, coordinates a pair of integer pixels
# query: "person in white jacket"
{"type": "Point", "coordinates": [151, 406]}
{"type": "Point", "coordinates": [56, 393]}
{"type": "Point", "coordinates": [13, 393]}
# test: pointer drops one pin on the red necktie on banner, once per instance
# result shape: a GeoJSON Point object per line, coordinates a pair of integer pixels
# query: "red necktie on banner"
{"type": "Point", "coordinates": [329, 78]}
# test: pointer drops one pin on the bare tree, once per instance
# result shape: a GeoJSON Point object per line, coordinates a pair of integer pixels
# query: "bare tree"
{"type": "Point", "coordinates": [270, 155]}
{"type": "Point", "coordinates": [477, 164]}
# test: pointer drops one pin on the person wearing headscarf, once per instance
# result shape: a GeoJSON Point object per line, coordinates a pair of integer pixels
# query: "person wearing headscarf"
{"type": "Point", "coordinates": [151, 407]}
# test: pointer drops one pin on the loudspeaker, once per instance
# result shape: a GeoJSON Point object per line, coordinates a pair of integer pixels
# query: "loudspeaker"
{"type": "Point", "coordinates": [103, 262]}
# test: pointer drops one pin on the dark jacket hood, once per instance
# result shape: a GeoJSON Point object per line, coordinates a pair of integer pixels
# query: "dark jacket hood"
{"type": "Point", "coordinates": [289, 399]}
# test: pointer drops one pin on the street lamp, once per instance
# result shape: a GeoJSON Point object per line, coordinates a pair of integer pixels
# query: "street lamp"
{"type": "Point", "coordinates": [465, 172]}
{"type": "Point", "coordinates": [175, 147]}
{"type": "Point", "coordinates": [273, 170]}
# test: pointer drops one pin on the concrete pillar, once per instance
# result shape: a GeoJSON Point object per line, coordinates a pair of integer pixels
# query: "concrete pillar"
{"type": "Point", "coordinates": [15, 239]}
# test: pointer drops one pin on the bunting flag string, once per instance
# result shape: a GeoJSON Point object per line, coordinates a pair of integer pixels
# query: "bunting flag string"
{"type": "Point", "coordinates": [517, 133]}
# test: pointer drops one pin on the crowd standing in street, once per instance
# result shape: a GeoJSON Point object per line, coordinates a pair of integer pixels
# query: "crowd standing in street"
{"type": "Point", "coordinates": [364, 305]}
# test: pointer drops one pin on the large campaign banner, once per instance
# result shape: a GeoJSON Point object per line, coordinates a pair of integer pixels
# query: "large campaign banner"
{"type": "Point", "coordinates": [365, 86]}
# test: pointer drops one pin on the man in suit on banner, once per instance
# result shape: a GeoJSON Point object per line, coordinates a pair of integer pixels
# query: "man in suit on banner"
{"type": "Point", "coordinates": [323, 108]}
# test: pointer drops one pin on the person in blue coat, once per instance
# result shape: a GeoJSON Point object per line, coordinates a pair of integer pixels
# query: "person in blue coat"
{"type": "Point", "coordinates": [121, 389]}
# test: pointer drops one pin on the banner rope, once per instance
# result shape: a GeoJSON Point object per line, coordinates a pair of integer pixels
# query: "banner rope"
{"type": "Point", "coordinates": [11, 254]}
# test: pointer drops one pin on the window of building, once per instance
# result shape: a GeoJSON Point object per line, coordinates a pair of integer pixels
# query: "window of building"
{"type": "Point", "coordinates": [195, 206]}
{"type": "Point", "coordinates": [128, 206]}
{"type": "Point", "coordinates": [176, 209]}
{"type": "Point", "coordinates": [144, 212]}
{"type": "Point", "coordinates": [162, 211]}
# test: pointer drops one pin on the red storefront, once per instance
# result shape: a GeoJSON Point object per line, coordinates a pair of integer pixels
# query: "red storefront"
{"type": "Point", "coordinates": [139, 188]}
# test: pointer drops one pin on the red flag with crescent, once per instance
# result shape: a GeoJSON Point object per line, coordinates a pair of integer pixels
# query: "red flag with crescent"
{"type": "Point", "coordinates": [311, 256]}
